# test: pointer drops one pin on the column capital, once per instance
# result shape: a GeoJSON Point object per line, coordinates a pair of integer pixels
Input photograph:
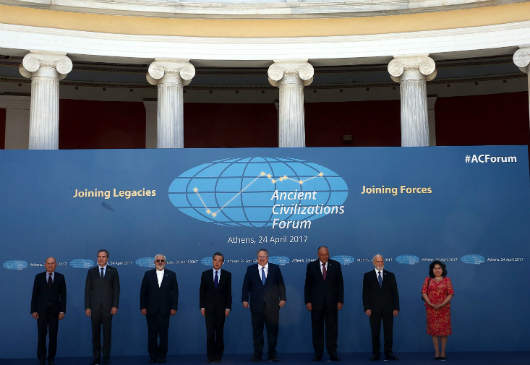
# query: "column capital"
{"type": "Point", "coordinates": [301, 68]}
{"type": "Point", "coordinates": [521, 58]}
{"type": "Point", "coordinates": [34, 62]}
{"type": "Point", "coordinates": [161, 67]}
{"type": "Point", "coordinates": [422, 66]}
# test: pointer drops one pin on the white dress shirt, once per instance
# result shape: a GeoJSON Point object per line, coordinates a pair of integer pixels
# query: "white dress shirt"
{"type": "Point", "coordinates": [159, 276]}
{"type": "Point", "coordinates": [321, 263]}
{"type": "Point", "coordinates": [218, 274]}
{"type": "Point", "coordinates": [377, 274]}
{"type": "Point", "coordinates": [266, 267]}
{"type": "Point", "coordinates": [104, 270]}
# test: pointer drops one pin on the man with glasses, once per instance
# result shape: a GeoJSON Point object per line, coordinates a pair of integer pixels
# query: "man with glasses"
{"type": "Point", "coordinates": [158, 301]}
{"type": "Point", "coordinates": [381, 303]}
{"type": "Point", "coordinates": [263, 285]}
{"type": "Point", "coordinates": [102, 297]}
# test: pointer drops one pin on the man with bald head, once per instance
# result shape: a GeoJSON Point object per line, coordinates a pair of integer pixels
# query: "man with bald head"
{"type": "Point", "coordinates": [48, 306]}
{"type": "Point", "coordinates": [324, 297]}
{"type": "Point", "coordinates": [158, 301]}
{"type": "Point", "coordinates": [381, 303]}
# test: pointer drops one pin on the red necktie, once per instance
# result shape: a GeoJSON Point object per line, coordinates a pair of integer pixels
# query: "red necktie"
{"type": "Point", "coordinates": [324, 272]}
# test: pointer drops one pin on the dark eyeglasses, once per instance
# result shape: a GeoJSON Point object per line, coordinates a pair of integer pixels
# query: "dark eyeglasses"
{"type": "Point", "coordinates": [160, 260]}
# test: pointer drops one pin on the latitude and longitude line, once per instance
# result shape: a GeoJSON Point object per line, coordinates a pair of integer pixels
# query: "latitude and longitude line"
{"type": "Point", "coordinates": [261, 175]}
{"type": "Point", "coordinates": [186, 200]}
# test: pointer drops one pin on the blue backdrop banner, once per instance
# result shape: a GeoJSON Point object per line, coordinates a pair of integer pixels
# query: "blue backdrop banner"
{"type": "Point", "coordinates": [467, 206]}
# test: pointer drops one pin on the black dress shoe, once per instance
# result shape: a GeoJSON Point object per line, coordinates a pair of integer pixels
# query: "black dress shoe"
{"type": "Point", "coordinates": [162, 360]}
{"type": "Point", "coordinates": [95, 362]}
{"type": "Point", "coordinates": [375, 357]}
{"type": "Point", "coordinates": [333, 357]}
{"type": "Point", "coordinates": [390, 357]}
{"type": "Point", "coordinates": [51, 361]}
{"type": "Point", "coordinates": [442, 358]}
{"type": "Point", "coordinates": [273, 357]}
{"type": "Point", "coordinates": [256, 358]}
{"type": "Point", "coordinates": [317, 358]}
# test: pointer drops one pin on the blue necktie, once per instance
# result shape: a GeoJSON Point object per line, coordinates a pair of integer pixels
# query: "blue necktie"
{"type": "Point", "coordinates": [380, 279]}
{"type": "Point", "coordinates": [263, 277]}
{"type": "Point", "coordinates": [216, 280]}
{"type": "Point", "coordinates": [102, 273]}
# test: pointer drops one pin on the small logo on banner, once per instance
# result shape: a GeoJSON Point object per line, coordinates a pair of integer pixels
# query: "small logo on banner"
{"type": "Point", "coordinates": [344, 260]}
{"type": "Point", "coordinates": [473, 259]}
{"type": "Point", "coordinates": [485, 158]}
{"type": "Point", "coordinates": [81, 263]}
{"type": "Point", "coordinates": [279, 260]}
{"type": "Point", "coordinates": [407, 259]}
{"type": "Point", "coordinates": [282, 193]}
{"type": "Point", "coordinates": [145, 262]}
{"type": "Point", "coordinates": [17, 265]}
{"type": "Point", "coordinates": [206, 261]}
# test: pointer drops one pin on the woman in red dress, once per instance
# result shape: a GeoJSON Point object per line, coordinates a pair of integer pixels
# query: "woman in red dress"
{"type": "Point", "coordinates": [437, 292]}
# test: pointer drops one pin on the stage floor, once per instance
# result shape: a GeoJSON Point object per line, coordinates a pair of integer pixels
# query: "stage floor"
{"type": "Point", "coordinates": [461, 358]}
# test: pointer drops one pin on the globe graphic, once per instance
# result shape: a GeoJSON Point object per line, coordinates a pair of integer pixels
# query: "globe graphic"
{"type": "Point", "coordinates": [247, 192]}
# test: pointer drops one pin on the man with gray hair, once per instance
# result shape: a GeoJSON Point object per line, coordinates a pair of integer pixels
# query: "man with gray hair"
{"type": "Point", "coordinates": [158, 301]}
{"type": "Point", "coordinates": [48, 306]}
{"type": "Point", "coordinates": [381, 304]}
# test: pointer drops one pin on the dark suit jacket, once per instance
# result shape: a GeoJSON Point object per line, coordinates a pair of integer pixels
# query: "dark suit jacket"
{"type": "Point", "coordinates": [211, 297]}
{"type": "Point", "coordinates": [159, 299]}
{"type": "Point", "coordinates": [271, 293]}
{"type": "Point", "coordinates": [319, 292]}
{"type": "Point", "coordinates": [44, 297]}
{"type": "Point", "coordinates": [102, 293]}
{"type": "Point", "coordinates": [380, 298]}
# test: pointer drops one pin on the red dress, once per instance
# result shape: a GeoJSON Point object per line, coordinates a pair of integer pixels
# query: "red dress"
{"type": "Point", "coordinates": [438, 320]}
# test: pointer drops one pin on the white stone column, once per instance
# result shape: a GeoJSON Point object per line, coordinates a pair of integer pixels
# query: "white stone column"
{"type": "Point", "coordinates": [291, 77]}
{"type": "Point", "coordinates": [150, 123]}
{"type": "Point", "coordinates": [413, 72]}
{"type": "Point", "coordinates": [45, 71]}
{"type": "Point", "coordinates": [431, 102]}
{"type": "Point", "coordinates": [170, 75]}
{"type": "Point", "coordinates": [521, 58]}
{"type": "Point", "coordinates": [17, 121]}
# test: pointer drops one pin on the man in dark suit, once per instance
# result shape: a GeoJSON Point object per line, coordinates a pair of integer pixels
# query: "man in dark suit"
{"type": "Point", "coordinates": [324, 297]}
{"type": "Point", "coordinates": [48, 306]}
{"type": "Point", "coordinates": [102, 295]}
{"type": "Point", "coordinates": [263, 284]}
{"type": "Point", "coordinates": [215, 296]}
{"type": "Point", "coordinates": [381, 303]}
{"type": "Point", "coordinates": [158, 300]}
